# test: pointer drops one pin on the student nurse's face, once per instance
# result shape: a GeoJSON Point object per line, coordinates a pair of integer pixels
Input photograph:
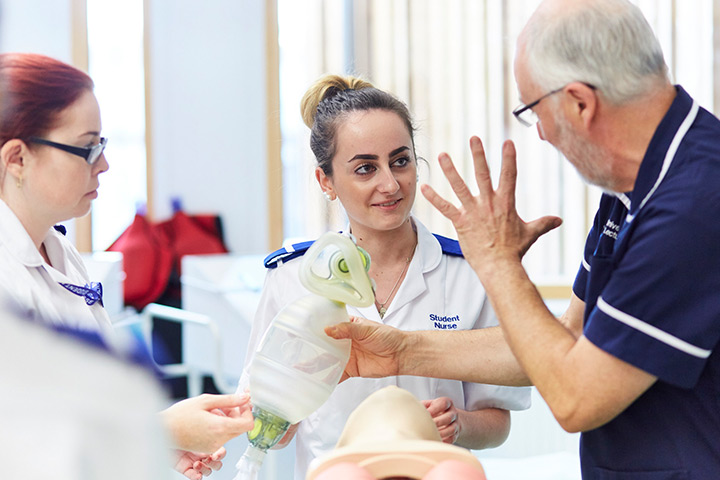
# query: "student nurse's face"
{"type": "Point", "coordinates": [63, 185]}
{"type": "Point", "coordinates": [374, 170]}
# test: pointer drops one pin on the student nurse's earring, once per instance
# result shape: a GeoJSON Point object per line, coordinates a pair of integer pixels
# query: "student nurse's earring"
{"type": "Point", "coordinates": [328, 197]}
{"type": "Point", "coordinates": [18, 183]}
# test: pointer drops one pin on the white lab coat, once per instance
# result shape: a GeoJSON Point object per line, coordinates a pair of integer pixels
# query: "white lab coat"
{"type": "Point", "coordinates": [34, 286]}
{"type": "Point", "coordinates": [438, 291]}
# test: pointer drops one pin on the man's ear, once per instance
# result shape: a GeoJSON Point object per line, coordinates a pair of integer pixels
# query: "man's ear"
{"type": "Point", "coordinates": [325, 183]}
{"type": "Point", "coordinates": [11, 157]}
{"type": "Point", "coordinates": [584, 103]}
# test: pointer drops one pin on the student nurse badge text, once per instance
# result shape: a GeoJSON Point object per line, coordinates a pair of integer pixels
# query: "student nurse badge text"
{"type": "Point", "coordinates": [444, 322]}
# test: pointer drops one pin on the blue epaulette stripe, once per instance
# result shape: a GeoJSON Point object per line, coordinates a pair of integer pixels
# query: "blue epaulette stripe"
{"type": "Point", "coordinates": [449, 246]}
{"type": "Point", "coordinates": [285, 254]}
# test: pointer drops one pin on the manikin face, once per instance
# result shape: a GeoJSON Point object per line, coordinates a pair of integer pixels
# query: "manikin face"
{"type": "Point", "coordinates": [392, 433]}
{"type": "Point", "coordinates": [60, 185]}
{"type": "Point", "coordinates": [374, 170]}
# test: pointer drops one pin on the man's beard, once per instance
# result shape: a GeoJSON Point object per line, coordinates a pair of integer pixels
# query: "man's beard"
{"type": "Point", "coordinates": [591, 161]}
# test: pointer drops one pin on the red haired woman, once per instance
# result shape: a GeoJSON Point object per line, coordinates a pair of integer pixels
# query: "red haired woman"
{"type": "Point", "coordinates": [51, 157]}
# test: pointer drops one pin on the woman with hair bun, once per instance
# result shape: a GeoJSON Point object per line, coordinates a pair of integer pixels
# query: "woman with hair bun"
{"type": "Point", "coordinates": [362, 138]}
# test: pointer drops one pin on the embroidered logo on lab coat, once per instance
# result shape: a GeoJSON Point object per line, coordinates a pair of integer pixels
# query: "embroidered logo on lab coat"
{"type": "Point", "coordinates": [444, 322]}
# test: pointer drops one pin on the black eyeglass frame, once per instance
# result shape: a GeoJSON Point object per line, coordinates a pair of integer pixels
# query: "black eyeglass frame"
{"type": "Point", "coordinates": [520, 109]}
{"type": "Point", "coordinates": [90, 154]}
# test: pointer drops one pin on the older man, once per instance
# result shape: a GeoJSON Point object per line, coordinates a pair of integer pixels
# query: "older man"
{"type": "Point", "coordinates": [634, 361]}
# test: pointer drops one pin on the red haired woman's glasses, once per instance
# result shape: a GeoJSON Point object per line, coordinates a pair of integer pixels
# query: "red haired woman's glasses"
{"type": "Point", "coordinates": [90, 154]}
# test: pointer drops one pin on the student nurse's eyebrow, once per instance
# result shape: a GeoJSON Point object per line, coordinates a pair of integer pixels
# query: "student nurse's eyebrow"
{"type": "Point", "coordinates": [363, 156]}
{"type": "Point", "coordinates": [398, 150]}
{"type": "Point", "coordinates": [368, 156]}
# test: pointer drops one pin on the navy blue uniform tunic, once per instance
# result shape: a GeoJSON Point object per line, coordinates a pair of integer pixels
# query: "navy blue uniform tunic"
{"type": "Point", "coordinates": [651, 283]}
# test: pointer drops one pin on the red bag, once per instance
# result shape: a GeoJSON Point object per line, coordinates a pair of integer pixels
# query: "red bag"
{"type": "Point", "coordinates": [152, 253]}
{"type": "Point", "coordinates": [146, 260]}
{"type": "Point", "coordinates": [186, 235]}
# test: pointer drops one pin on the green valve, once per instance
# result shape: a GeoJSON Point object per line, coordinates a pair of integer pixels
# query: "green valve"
{"type": "Point", "coordinates": [342, 264]}
{"type": "Point", "coordinates": [365, 258]}
{"type": "Point", "coordinates": [268, 429]}
{"type": "Point", "coordinates": [256, 429]}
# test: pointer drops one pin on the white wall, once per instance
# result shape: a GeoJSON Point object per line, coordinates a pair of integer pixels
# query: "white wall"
{"type": "Point", "coordinates": [39, 26]}
{"type": "Point", "coordinates": [208, 113]}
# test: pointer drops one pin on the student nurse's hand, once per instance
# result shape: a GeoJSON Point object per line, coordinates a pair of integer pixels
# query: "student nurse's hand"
{"type": "Point", "coordinates": [376, 348]}
{"type": "Point", "coordinates": [445, 416]}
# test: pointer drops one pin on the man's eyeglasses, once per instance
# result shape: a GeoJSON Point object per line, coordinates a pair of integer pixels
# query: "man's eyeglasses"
{"type": "Point", "coordinates": [90, 154]}
{"type": "Point", "coordinates": [525, 113]}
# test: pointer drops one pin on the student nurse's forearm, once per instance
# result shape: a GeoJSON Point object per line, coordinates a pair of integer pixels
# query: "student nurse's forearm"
{"type": "Point", "coordinates": [480, 356]}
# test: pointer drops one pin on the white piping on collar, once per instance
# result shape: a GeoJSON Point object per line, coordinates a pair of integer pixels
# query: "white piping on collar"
{"type": "Point", "coordinates": [624, 199]}
{"type": "Point", "coordinates": [669, 155]}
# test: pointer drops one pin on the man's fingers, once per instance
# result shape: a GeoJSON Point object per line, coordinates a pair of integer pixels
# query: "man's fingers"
{"type": "Point", "coordinates": [339, 331]}
{"type": "Point", "coordinates": [543, 225]}
{"type": "Point", "coordinates": [447, 209]}
{"type": "Point", "coordinates": [508, 173]}
{"type": "Point", "coordinates": [482, 171]}
{"type": "Point", "coordinates": [356, 329]}
{"type": "Point", "coordinates": [458, 185]}
{"type": "Point", "coordinates": [547, 223]}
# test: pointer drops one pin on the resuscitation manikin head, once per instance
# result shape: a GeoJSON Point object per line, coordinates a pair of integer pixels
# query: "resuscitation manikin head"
{"type": "Point", "coordinates": [391, 434]}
